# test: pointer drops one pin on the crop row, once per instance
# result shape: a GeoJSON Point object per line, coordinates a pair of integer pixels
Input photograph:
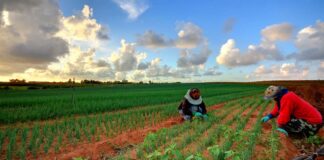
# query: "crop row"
{"type": "Point", "coordinates": [22, 106]}
{"type": "Point", "coordinates": [187, 141]}
{"type": "Point", "coordinates": [186, 133]}
{"type": "Point", "coordinates": [50, 137]}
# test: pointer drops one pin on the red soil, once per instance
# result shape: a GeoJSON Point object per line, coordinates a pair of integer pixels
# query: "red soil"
{"type": "Point", "coordinates": [217, 106]}
{"type": "Point", "coordinates": [252, 120]}
{"type": "Point", "coordinates": [288, 150]}
{"type": "Point", "coordinates": [321, 132]}
{"type": "Point", "coordinates": [109, 147]}
{"type": "Point", "coordinates": [313, 93]}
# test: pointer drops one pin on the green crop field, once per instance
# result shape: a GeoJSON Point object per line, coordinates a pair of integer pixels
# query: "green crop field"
{"type": "Point", "coordinates": [37, 123]}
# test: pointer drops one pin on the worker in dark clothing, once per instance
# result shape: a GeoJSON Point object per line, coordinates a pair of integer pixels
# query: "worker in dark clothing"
{"type": "Point", "coordinates": [192, 105]}
{"type": "Point", "coordinates": [295, 116]}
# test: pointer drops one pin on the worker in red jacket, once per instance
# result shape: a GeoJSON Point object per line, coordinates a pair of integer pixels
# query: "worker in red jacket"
{"type": "Point", "coordinates": [192, 105]}
{"type": "Point", "coordinates": [295, 116]}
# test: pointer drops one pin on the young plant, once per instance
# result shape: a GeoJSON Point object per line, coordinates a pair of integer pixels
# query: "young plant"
{"type": "Point", "coordinates": [2, 137]}
{"type": "Point", "coordinates": [11, 145]}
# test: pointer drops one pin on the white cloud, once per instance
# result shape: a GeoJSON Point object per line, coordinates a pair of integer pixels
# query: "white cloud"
{"type": "Point", "coordinates": [126, 58]}
{"type": "Point", "coordinates": [134, 8]}
{"type": "Point", "coordinates": [322, 64]}
{"type": "Point", "coordinates": [87, 11]}
{"type": "Point", "coordinates": [27, 35]}
{"type": "Point", "coordinates": [78, 64]}
{"type": "Point", "coordinates": [81, 64]}
{"type": "Point", "coordinates": [194, 47]}
{"type": "Point", "coordinates": [82, 27]}
{"type": "Point", "coordinates": [267, 50]}
{"type": "Point", "coordinates": [38, 35]}
{"type": "Point", "coordinates": [159, 71]}
{"type": "Point", "coordinates": [279, 72]}
{"type": "Point", "coordinates": [310, 42]}
{"type": "Point", "coordinates": [189, 36]}
{"type": "Point", "coordinates": [43, 45]}
{"type": "Point", "coordinates": [5, 18]}
{"type": "Point", "coordinates": [153, 40]}
{"type": "Point", "coordinates": [231, 56]}
{"type": "Point", "coordinates": [320, 70]}
{"type": "Point", "coordinates": [213, 71]}
{"type": "Point", "coordinates": [262, 70]}
{"type": "Point", "coordinates": [120, 76]}
{"type": "Point", "coordinates": [188, 58]}
{"type": "Point", "coordinates": [138, 75]}
{"type": "Point", "coordinates": [228, 54]}
{"type": "Point", "coordinates": [156, 70]}
{"type": "Point", "coordinates": [143, 65]}
{"type": "Point", "coordinates": [277, 32]}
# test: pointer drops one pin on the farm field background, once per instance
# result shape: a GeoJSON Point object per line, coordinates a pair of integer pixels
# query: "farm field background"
{"type": "Point", "coordinates": [138, 121]}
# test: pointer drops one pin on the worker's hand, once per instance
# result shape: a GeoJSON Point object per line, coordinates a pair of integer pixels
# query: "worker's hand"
{"type": "Point", "coordinates": [282, 131]}
{"type": "Point", "coordinates": [205, 116]}
{"type": "Point", "coordinates": [198, 114]}
{"type": "Point", "coordinates": [265, 119]}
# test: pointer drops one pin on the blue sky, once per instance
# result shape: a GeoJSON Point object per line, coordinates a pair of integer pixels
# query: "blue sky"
{"type": "Point", "coordinates": [167, 40]}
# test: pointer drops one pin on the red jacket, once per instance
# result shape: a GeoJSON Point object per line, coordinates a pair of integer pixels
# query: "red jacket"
{"type": "Point", "coordinates": [292, 105]}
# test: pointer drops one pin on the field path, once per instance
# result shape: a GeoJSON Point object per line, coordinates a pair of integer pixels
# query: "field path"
{"type": "Point", "coordinates": [110, 147]}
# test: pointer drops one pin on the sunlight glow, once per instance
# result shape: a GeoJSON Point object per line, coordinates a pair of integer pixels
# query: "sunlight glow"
{"type": "Point", "coordinates": [5, 18]}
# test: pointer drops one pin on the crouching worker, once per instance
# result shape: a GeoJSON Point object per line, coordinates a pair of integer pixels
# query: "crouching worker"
{"type": "Point", "coordinates": [295, 117]}
{"type": "Point", "coordinates": [192, 105]}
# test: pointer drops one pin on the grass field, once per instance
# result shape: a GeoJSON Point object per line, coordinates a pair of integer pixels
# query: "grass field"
{"type": "Point", "coordinates": [93, 123]}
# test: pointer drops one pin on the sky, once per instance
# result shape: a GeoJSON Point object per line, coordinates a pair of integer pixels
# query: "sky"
{"type": "Point", "coordinates": [161, 40]}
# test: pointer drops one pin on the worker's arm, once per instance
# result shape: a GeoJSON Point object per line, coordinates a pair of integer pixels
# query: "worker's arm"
{"type": "Point", "coordinates": [285, 113]}
{"type": "Point", "coordinates": [273, 113]}
{"type": "Point", "coordinates": [203, 107]}
{"type": "Point", "coordinates": [185, 107]}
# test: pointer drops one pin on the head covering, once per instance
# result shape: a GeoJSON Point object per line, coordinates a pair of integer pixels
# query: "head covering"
{"type": "Point", "coordinates": [272, 92]}
{"type": "Point", "coordinates": [191, 100]}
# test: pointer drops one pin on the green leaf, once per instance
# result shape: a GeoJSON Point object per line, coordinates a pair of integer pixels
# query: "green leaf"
{"type": "Point", "coordinates": [79, 158]}
{"type": "Point", "coordinates": [190, 157]}
{"type": "Point", "coordinates": [155, 154]}
{"type": "Point", "coordinates": [177, 153]}
{"type": "Point", "coordinates": [229, 154]}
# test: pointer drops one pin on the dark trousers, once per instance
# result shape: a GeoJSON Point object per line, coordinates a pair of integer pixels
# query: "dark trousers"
{"type": "Point", "coordinates": [300, 128]}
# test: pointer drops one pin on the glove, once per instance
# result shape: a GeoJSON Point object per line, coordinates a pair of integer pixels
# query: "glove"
{"type": "Point", "coordinates": [282, 131]}
{"type": "Point", "coordinates": [265, 119]}
{"type": "Point", "coordinates": [198, 114]}
{"type": "Point", "coordinates": [205, 116]}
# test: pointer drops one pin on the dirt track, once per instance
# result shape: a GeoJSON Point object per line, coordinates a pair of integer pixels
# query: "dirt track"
{"type": "Point", "coordinates": [313, 93]}
{"type": "Point", "coordinates": [111, 146]}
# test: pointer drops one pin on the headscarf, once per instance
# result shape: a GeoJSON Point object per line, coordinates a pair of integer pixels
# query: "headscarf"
{"type": "Point", "coordinates": [191, 100]}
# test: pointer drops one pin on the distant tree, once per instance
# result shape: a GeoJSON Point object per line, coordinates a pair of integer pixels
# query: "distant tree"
{"type": "Point", "coordinates": [116, 82]}
{"type": "Point", "coordinates": [90, 82]}
{"type": "Point", "coordinates": [17, 81]}
{"type": "Point", "coordinates": [124, 81]}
